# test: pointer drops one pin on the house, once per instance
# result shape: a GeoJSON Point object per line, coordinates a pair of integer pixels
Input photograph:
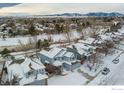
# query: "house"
{"type": "Point", "coordinates": [20, 29]}
{"type": "Point", "coordinates": [70, 61]}
{"type": "Point", "coordinates": [115, 22]}
{"type": "Point", "coordinates": [28, 72]}
{"type": "Point", "coordinates": [103, 43]}
{"type": "Point", "coordinates": [73, 26]}
{"type": "Point", "coordinates": [88, 41]}
{"type": "Point", "coordinates": [58, 57]}
{"type": "Point", "coordinates": [116, 36]}
{"type": "Point", "coordinates": [39, 27]}
{"type": "Point", "coordinates": [103, 39]}
{"type": "Point", "coordinates": [82, 51]}
{"type": "Point", "coordinates": [52, 57]}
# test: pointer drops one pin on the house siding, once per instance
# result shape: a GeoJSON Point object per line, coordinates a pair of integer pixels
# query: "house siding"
{"type": "Point", "coordinates": [75, 66]}
{"type": "Point", "coordinates": [71, 67]}
{"type": "Point", "coordinates": [67, 66]}
{"type": "Point", "coordinates": [77, 55]}
{"type": "Point", "coordinates": [44, 58]}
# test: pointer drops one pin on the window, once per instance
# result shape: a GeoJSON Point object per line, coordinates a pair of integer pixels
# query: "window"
{"type": "Point", "coordinates": [55, 59]}
{"type": "Point", "coordinates": [30, 72]}
{"type": "Point", "coordinates": [73, 58]}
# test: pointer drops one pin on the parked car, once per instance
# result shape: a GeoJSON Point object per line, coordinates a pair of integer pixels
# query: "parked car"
{"type": "Point", "coordinates": [105, 71]}
{"type": "Point", "coordinates": [115, 61]}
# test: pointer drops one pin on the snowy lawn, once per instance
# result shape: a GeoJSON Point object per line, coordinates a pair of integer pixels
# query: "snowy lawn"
{"type": "Point", "coordinates": [72, 78]}
{"type": "Point", "coordinates": [92, 73]}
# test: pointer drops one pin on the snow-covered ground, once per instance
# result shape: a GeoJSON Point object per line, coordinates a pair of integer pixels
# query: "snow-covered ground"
{"type": "Point", "coordinates": [115, 76]}
{"type": "Point", "coordinates": [72, 78]}
{"type": "Point", "coordinates": [54, 37]}
{"type": "Point", "coordinates": [91, 73]}
{"type": "Point", "coordinates": [12, 41]}
{"type": "Point", "coordinates": [118, 76]}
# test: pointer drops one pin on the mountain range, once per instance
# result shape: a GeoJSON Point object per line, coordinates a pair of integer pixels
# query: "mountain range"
{"type": "Point", "coordinates": [97, 14]}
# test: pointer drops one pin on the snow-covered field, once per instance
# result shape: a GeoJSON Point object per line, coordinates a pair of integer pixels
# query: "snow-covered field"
{"type": "Point", "coordinates": [54, 37]}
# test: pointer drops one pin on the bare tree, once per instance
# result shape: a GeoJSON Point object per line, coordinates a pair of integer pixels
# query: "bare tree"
{"type": "Point", "coordinates": [67, 33]}
{"type": "Point", "coordinates": [98, 61]}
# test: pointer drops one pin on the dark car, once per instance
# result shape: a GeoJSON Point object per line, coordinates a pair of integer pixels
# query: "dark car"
{"type": "Point", "coordinates": [105, 71]}
{"type": "Point", "coordinates": [115, 61]}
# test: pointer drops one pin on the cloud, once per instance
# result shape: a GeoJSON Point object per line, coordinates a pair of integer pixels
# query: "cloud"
{"type": "Point", "coordinates": [53, 8]}
{"type": "Point", "coordinates": [8, 4]}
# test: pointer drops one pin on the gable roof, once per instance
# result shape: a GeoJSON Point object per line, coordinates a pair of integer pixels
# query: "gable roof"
{"type": "Point", "coordinates": [15, 70]}
{"type": "Point", "coordinates": [87, 41]}
{"type": "Point", "coordinates": [68, 54]}
{"type": "Point", "coordinates": [29, 64]}
{"type": "Point", "coordinates": [52, 53]}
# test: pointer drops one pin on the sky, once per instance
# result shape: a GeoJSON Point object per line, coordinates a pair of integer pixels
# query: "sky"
{"type": "Point", "coordinates": [54, 8]}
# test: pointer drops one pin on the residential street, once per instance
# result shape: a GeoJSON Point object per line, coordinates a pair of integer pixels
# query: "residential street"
{"type": "Point", "coordinates": [115, 76]}
{"type": "Point", "coordinates": [118, 76]}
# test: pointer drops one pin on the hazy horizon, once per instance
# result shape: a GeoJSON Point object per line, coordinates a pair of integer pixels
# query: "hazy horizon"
{"type": "Point", "coordinates": [7, 9]}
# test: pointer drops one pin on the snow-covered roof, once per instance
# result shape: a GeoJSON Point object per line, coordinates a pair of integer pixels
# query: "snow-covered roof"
{"type": "Point", "coordinates": [115, 22]}
{"type": "Point", "coordinates": [36, 64]}
{"type": "Point", "coordinates": [83, 49]}
{"type": "Point", "coordinates": [17, 24]}
{"type": "Point", "coordinates": [61, 53]}
{"type": "Point", "coordinates": [25, 65]}
{"type": "Point", "coordinates": [57, 63]}
{"type": "Point", "coordinates": [105, 38]}
{"type": "Point", "coordinates": [39, 29]}
{"type": "Point", "coordinates": [3, 25]}
{"type": "Point", "coordinates": [28, 64]}
{"type": "Point", "coordinates": [114, 34]}
{"type": "Point", "coordinates": [47, 62]}
{"type": "Point", "coordinates": [87, 41]}
{"type": "Point", "coordinates": [82, 46]}
{"type": "Point", "coordinates": [69, 62]}
{"type": "Point", "coordinates": [52, 53]}
{"type": "Point", "coordinates": [68, 54]}
{"type": "Point", "coordinates": [15, 70]}
{"type": "Point", "coordinates": [19, 70]}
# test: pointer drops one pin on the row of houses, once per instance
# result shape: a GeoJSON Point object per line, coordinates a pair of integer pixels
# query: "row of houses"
{"type": "Point", "coordinates": [8, 31]}
{"type": "Point", "coordinates": [73, 55]}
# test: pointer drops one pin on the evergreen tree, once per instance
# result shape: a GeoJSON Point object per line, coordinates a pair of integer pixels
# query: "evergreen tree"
{"type": "Point", "coordinates": [5, 52]}
{"type": "Point", "coordinates": [32, 30]}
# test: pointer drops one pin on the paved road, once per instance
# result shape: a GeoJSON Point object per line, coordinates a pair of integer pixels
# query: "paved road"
{"type": "Point", "coordinates": [118, 76]}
